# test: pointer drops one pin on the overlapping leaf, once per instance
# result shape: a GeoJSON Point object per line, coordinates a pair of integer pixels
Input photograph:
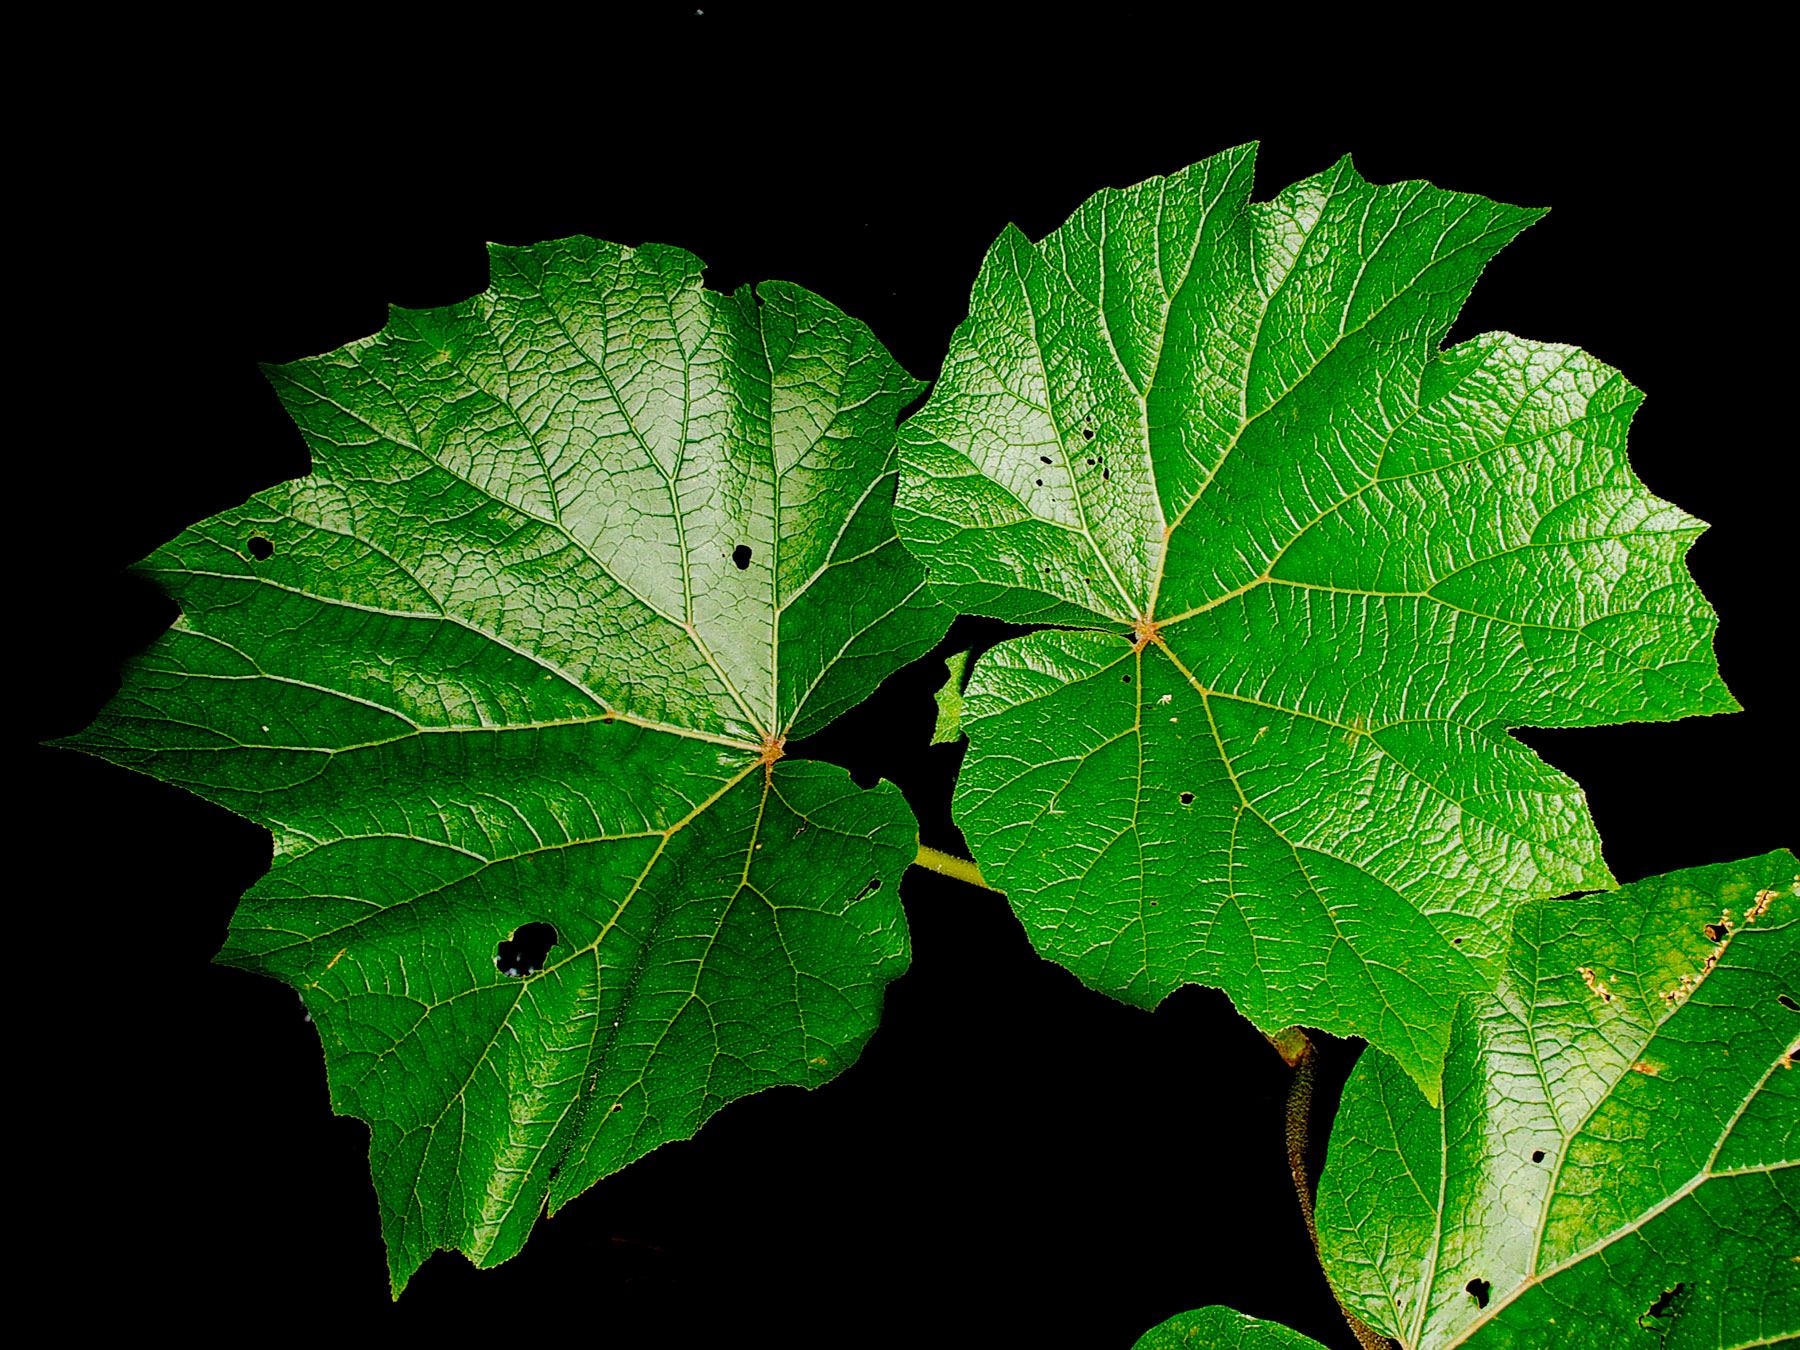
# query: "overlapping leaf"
{"type": "Point", "coordinates": [1617, 1158]}
{"type": "Point", "coordinates": [1310, 568]}
{"type": "Point", "coordinates": [574, 559]}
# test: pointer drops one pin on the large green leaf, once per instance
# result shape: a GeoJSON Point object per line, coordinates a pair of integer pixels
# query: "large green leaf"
{"type": "Point", "coordinates": [574, 558]}
{"type": "Point", "coordinates": [1617, 1159]}
{"type": "Point", "coordinates": [1311, 568]}
{"type": "Point", "coordinates": [1220, 1328]}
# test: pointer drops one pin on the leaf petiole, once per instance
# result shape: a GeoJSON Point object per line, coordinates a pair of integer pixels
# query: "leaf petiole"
{"type": "Point", "coordinates": [948, 864]}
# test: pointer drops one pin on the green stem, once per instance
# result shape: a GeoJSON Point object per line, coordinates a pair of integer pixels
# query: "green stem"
{"type": "Point", "coordinates": [1294, 1046]}
{"type": "Point", "coordinates": [948, 864]}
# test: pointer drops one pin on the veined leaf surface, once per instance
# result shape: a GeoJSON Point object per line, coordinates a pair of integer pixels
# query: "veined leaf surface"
{"type": "Point", "coordinates": [574, 559]}
{"type": "Point", "coordinates": [1309, 569]}
{"type": "Point", "coordinates": [1617, 1158]}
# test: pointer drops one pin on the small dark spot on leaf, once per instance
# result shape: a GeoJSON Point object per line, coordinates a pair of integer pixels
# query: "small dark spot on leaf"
{"type": "Point", "coordinates": [1187, 798]}
{"type": "Point", "coordinates": [1040, 482]}
{"type": "Point", "coordinates": [1537, 1155]}
{"type": "Point", "coordinates": [1787, 1003]}
{"type": "Point", "coordinates": [523, 953]}
{"type": "Point", "coordinates": [741, 556]}
{"type": "Point", "coordinates": [1479, 1289]}
{"type": "Point", "coordinates": [1456, 942]}
{"type": "Point", "coordinates": [1045, 458]}
{"type": "Point", "coordinates": [1714, 932]}
{"type": "Point", "coordinates": [261, 549]}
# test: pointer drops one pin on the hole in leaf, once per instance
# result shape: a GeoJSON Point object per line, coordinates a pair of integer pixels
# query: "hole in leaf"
{"type": "Point", "coordinates": [1479, 1289]}
{"type": "Point", "coordinates": [1090, 459]}
{"type": "Point", "coordinates": [875, 883]}
{"type": "Point", "coordinates": [1662, 1306]}
{"type": "Point", "coordinates": [523, 953]}
{"type": "Point", "coordinates": [1045, 458]}
{"type": "Point", "coordinates": [1087, 433]}
{"type": "Point", "coordinates": [741, 556]}
{"type": "Point", "coordinates": [1456, 942]}
{"type": "Point", "coordinates": [1787, 1003]}
{"type": "Point", "coordinates": [1040, 482]}
{"type": "Point", "coordinates": [1187, 799]}
{"type": "Point", "coordinates": [1537, 1155]}
{"type": "Point", "coordinates": [1714, 932]}
{"type": "Point", "coordinates": [261, 549]}
{"type": "Point", "coordinates": [1125, 679]}
{"type": "Point", "coordinates": [1106, 474]}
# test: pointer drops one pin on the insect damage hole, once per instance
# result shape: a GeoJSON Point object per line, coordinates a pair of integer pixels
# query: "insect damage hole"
{"type": "Point", "coordinates": [1787, 1003]}
{"type": "Point", "coordinates": [1479, 1290]}
{"type": "Point", "coordinates": [523, 953]}
{"type": "Point", "coordinates": [1663, 1307]}
{"type": "Point", "coordinates": [1187, 799]}
{"type": "Point", "coordinates": [260, 549]}
{"type": "Point", "coordinates": [741, 556]}
{"type": "Point", "coordinates": [1537, 1155]}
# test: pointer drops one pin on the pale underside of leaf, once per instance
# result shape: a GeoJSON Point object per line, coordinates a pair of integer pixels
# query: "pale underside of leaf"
{"type": "Point", "coordinates": [574, 560]}
{"type": "Point", "coordinates": [1617, 1159]}
{"type": "Point", "coordinates": [1322, 566]}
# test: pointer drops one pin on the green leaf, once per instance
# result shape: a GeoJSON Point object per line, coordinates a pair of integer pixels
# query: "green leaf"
{"type": "Point", "coordinates": [1220, 1328]}
{"type": "Point", "coordinates": [950, 703]}
{"type": "Point", "coordinates": [1311, 568]}
{"type": "Point", "coordinates": [574, 559]}
{"type": "Point", "coordinates": [1617, 1159]}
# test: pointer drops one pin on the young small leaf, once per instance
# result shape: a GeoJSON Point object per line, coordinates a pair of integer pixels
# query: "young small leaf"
{"type": "Point", "coordinates": [518, 659]}
{"type": "Point", "coordinates": [950, 703]}
{"type": "Point", "coordinates": [1315, 567]}
{"type": "Point", "coordinates": [1617, 1158]}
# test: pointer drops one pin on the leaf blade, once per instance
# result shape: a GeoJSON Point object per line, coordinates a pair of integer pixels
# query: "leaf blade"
{"type": "Point", "coordinates": [1589, 1101]}
{"type": "Point", "coordinates": [1221, 1328]}
{"type": "Point", "coordinates": [1364, 558]}
{"type": "Point", "coordinates": [512, 654]}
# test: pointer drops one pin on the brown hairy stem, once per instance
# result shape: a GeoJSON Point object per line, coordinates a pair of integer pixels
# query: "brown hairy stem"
{"type": "Point", "coordinates": [1294, 1047]}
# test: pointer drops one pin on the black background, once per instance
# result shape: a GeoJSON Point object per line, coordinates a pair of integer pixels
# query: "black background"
{"type": "Point", "coordinates": [1014, 1159]}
